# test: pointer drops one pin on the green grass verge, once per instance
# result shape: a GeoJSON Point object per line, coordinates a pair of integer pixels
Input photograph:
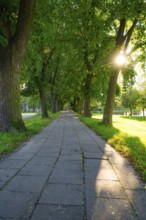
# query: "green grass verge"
{"type": "Point", "coordinates": [127, 135]}
{"type": "Point", "coordinates": [10, 141]}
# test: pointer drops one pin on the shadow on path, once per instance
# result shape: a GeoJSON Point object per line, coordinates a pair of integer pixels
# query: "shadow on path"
{"type": "Point", "coordinates": [67, 172]}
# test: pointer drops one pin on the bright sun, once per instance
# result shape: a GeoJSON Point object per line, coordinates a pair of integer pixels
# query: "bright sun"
{"type": "Point", "coordinates": [120, 60]}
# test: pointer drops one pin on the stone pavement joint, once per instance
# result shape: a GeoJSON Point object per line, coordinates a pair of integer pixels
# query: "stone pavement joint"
{"type": "Point", "coordinates": [67, 172]}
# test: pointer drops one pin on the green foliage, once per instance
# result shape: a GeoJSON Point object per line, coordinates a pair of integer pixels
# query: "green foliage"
{"type": "Point", "coordinates": [73, 28]}
{"type": "Point", "coordinates": [142, 103]}
{"type": "Point", "coordinates": [128, 77]}
{"type": "Point", "coordinates": [8, 17]}
{"type": "Point", "coordinates": [130, 99]}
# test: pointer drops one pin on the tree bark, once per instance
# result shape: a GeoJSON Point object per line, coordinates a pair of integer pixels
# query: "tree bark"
{"type": "Point", "coordinates": [53, 80]}
{"type": "Point", "coordinates": [143, 112]}
{"type": "Point", "coordinates": [59, 105]}
{"type": "Point", "coordinates": [88, 82]}
{"type": "Point", "coordinates": [10, 63]}
{"type": "Point", "coordinates": [87, 87]}
{"type": "Point", "coordinates": [10, 109]}
{"type": "Point", "coordinates": [53, 102]}
{"type": "Point", "coordinates": [107, 116]}
{"type": "Point", "coordinates": [131, 112]}
{"type": "Point", "coordinates": [42, 95]}
{"type": "Point", "coordinates": [87, 111]}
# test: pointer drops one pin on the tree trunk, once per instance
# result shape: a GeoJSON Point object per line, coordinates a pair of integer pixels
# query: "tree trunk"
{"type": "Point", "coordinates": [131, 112]}
{"type": "Point", "coordinates": [107, 116]}
{"type": "Point", "coordinates": [87, 111]}
{"type": "Point", "coordinates": [60, 105]}
{"type": "Point", "coordinates": [143, 112]}
{"type": "Point", "coordinates": [53, 102]}
{"type": "Point", "coordinates": [10, 109]}
{"type": "Point", "coordinates": [76, 104]}
{"type": "Point", "coordinates": [10, 63]}
{"type": "Point", "coordinates": [87, 87]}
{"type": "Point", "coordinates": [121, 38]}
{"type": "Point", "coordinates": [43, 103]}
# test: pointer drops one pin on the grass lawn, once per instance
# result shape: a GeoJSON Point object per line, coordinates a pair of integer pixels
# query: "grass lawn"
{"type": "Point", "coordinates": [10, 141]}
{"type": "Point", "coordinates": [128, 135]}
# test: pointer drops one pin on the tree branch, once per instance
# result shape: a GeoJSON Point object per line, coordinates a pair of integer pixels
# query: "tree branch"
{"type": "Point", "coordinates": [25, 16]}
{"type": "Point", "coordinates": [95, 55]}
{"type": "Point", "coordinates": [129, 34]}
{"type": "Point", "coordinates": [120, 36]}
{"type": "Point", "coordinates": [49, 57]}
{"type": "Point", "coordinates": [86, 59]}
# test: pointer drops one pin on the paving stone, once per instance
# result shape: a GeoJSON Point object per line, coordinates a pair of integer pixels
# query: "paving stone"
{"type": "Point", "coordinates": [115, 157]}
{"type": "Point", "coordinates": [66, 176]}
{"type": "Point", "coordinates": [69, 165]}
{"type": "Point", "coordinates": [106, 174]}
{"type": "Point", "coordinates": [6, 174]}
{"type": "Point", "coordinates": [51, 142]}
{"type": "Point", "coordinates": [111, 209]}
{"type": "Point", "coordinates": [70, 152]}
{"type": "Point", "coordinates": [96, 164]}
{"type": "Point", "coordinates": [102, 188]}
{"type": "Point", "coordinates": [36, 170]}
{"type": "Point", "coordinates": [62, 194]}
{"type": "Point", "coordinates": [49, 154]}
{"type": "Point", "coordinates": [71, 157]}
{"type": "Point", "coordinates": [40, 160]}
{"type": "Point", "coordinates": [109, 148]}
{"type": "Point", "coordinates": [12, 219]}
{"type": "Point", "coordinates": [90, 147]}
{"type": "Point", "coordinates": [2, 183]}
{"type": "Point", "coordinates": [87, 142]}
{"type": "Point", "coordinates": [54, 147]}
{"type": "Point", "coordinates": [128, 177]}
{"type": "Point", "coordinates": [12, 164]}
{"type": "Point", "coordinates": [70, 138]}
{"type": "Point", "coordinates": [58, 212]}
{"type": "Point", "coordinates": [100, 174]}
{"type": "Point", "coordinates": [71, 146]}
{"type": "Point", "coordinates": [16, 205]}
{"type": "Point", "coordinates": [67, 143]}
{"type": "Point", "coordinates": [30, 147]}
{"type": "Point", "coordinates": [95, 155]}
{"type": "Point", "coordinates": [138, 200]}
{"type": "Point", "coordinates": [21, 155]}
{"type": "Point", "coordinates": [101, 143]}
{"type": "Point", "coordinates": [26, 184]}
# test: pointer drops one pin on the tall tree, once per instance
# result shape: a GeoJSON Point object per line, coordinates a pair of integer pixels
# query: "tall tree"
{"type": "Point", "coordinates": [13, 42]}
{"type": "Point", "coordinates": [127, 17]}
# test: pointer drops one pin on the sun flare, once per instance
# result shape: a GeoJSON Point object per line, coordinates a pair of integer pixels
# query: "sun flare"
{"type": "Point", "coordinates": [120, 60]}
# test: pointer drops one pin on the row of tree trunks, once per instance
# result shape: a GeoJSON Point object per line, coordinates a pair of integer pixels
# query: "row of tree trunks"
{"type": "Point", "coordinates": [56, 105]}
{"type": "Point", "coordinates": [77, 105]}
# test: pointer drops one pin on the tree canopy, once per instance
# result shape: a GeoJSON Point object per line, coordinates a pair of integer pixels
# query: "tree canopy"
{"type": "Point", "coordinates": [71, 53]}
